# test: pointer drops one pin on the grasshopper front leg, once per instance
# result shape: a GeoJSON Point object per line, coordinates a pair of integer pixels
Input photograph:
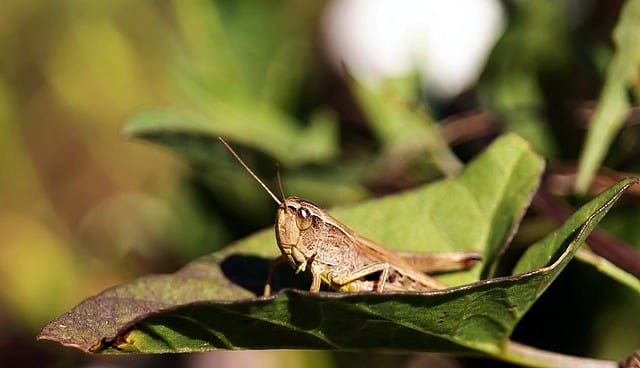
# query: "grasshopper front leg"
{"type": "Point", "coordinates": [272, 266]}
{"type": "Point", "coordinates": [382, 267]}
{"type": "Point", "coordinates": [316, 281]}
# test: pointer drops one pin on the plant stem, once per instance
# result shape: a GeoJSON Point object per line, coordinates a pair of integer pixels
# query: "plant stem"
{"type": "Point", "coordinates": [529, 356]}
{"type": "Point", "coordinates": [608, 268]}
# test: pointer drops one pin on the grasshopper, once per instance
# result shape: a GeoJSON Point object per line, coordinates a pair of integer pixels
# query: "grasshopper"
{"type": "Point", "coordinates": [311, 240]}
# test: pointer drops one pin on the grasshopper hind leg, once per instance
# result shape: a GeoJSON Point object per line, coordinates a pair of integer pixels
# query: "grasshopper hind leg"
{"type": "Point", "coordinates": [382, 267]}
{"type": "Point", "coordinates": [441, 262]}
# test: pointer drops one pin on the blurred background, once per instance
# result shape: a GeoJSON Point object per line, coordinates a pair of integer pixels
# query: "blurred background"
{"type": "Point", "coordinates": [354, 98]}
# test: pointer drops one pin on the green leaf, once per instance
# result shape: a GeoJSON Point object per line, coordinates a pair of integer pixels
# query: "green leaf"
{"type": "Point", "coordinates": [226, 52]}
{"type": "Point", "coordinates": [613, 104]}
{"type": "Point", "coordinates": [583, 220]}
{"type": "Point", "coordinates": [195, 135]}
{"type": "Point", "coordinates": [476, 211]}
{"type": "Point", "coordinates": [210, 303]}
{"type": "Point", "coordinates": [204, 51]}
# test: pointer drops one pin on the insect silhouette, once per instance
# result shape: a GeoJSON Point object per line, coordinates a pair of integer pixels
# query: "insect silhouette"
{"type": "Point", "coordinates": [311, 240]}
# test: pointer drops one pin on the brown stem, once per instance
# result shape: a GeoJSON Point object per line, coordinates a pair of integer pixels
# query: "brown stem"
{"type": "Point", "coordinates": [465, 127]}
{"type": "Point", "coordinates": [561, 179]}
{"type": "Point", "coordinates": [583, 114]}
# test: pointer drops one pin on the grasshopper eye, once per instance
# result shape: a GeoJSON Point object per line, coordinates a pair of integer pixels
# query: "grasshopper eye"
{"type": "Point", "coordinates": [303, 218]}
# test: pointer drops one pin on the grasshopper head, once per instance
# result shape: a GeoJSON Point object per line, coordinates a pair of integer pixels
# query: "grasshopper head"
{"type": "Point", "coordinates": [298, 223]}
{"type": "Point", "coordinates": [298, 228]}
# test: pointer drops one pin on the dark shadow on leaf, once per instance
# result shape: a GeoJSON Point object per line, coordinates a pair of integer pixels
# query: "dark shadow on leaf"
{"type": "Point", "coordinates": [250, 272]}
{"type": "Point", "coordinates": [188, 327]}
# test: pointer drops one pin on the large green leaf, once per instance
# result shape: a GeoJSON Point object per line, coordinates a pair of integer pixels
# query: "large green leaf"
{"type": "Point", "coordinates": [211, 302]}
{"type": "Point", "coordinates": [196, 138]}
{"type": "Point", "coordinates": [261, 127]}
{"type": "Point", "coordinates": [613, 105]}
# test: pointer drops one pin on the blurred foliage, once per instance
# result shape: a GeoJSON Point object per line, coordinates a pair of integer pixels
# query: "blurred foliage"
{"type": "Point", "coordinates": [536, 41]}
{"type": "Point", "coordinates": [404, 129]}
{"type": "Point", "coordinates": [84, 209]}
{"type": "Point", "coordinates": [620, 90]}
{"type": "Point", "coordinates": [246, 85]}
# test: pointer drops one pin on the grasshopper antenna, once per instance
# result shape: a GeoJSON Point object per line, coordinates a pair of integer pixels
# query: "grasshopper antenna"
{"type": "Point", "coordinates": [279, 180]}
{"type": "Point", "coordinates": [262, 184]}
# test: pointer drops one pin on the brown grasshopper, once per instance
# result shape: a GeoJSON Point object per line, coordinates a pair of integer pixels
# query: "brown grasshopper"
{"type": "Point", "coordinates": [311, 239]}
